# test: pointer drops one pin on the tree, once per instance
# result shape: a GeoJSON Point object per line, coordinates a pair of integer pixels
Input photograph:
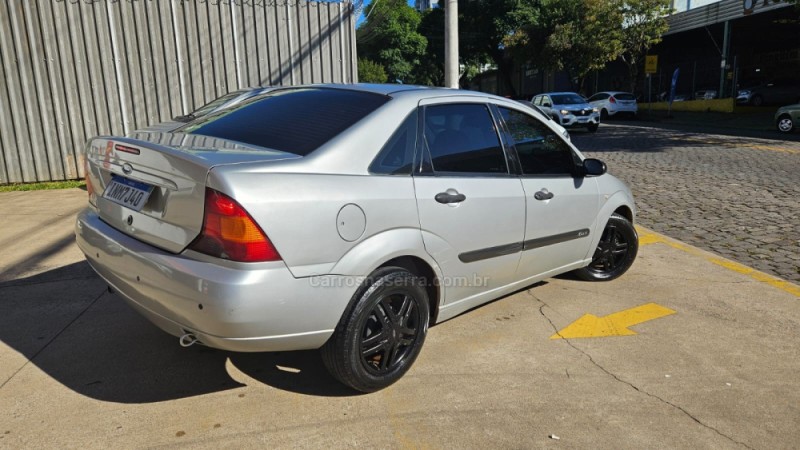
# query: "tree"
{"type": "Point", "coordinates": [371, 72]}
{"type": "Point", "coordinates": [576, 36]}
{"type": "Point", "coordinates": [390, 38]}
{"type": "Point", "coordinates": [483, 24]}
{"type": "Point", "coordinates": [431, 68]}
{"type": "Point", "coordinates": [643, 24]}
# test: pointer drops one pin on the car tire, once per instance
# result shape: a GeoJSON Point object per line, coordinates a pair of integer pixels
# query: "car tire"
{"type": "Point", "coordinates": [381, 333]}
{"type": "Point", "coordinates": [615, 252]}
{"type": "Point", "coordinates": [785, 124]}
{"type": "Point", "coordinates": [593, 128]}
{"type": "Point", "coordinates": [603, 114]}
{"type": "Point", "coordinates": [757, 100]}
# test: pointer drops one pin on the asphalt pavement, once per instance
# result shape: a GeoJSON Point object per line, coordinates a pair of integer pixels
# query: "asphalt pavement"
{"type": "Point", "coordinates": [687, 350]}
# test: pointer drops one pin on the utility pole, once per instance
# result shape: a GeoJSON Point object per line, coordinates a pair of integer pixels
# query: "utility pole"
{"type": "Point", "coordinates": [451, 44]}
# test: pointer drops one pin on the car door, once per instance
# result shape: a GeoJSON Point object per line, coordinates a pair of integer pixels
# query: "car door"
{"type": "Point", "coordinates": [471, 209]}
{"type": "Point", "coordinates": [561, 206]}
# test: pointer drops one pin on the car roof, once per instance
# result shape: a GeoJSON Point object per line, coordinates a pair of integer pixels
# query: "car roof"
{"type": "Point", "coordinates": [407, 91]}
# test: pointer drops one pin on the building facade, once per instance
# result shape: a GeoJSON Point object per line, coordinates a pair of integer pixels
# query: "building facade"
{"type": "Point", "coordinates": [76, 69]}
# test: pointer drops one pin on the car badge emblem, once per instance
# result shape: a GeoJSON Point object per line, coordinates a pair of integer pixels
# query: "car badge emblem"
{"type": "Point", "coordinates": [127, 168]}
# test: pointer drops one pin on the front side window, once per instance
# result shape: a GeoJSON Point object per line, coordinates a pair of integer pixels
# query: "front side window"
{"type": "Point", "coordinates": [462, 138]}
{"type": "Point", "coordinates": [541, 151]}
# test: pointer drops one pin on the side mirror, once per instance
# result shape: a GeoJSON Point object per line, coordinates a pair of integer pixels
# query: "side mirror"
{"type": "Point", "coordinates": [547, 105]}
{"type": "Point", "coordinates": [594, 167]}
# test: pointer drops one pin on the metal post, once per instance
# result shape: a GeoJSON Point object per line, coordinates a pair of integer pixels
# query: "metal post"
{"type": "Point", "coordinates": [694, 78]}
{"type": "Point", "coordinates": [649, 94]}
{"type": "Point", "coordinates": [725, 45]}
{"type": "Point", "coordinates": [451, 44]}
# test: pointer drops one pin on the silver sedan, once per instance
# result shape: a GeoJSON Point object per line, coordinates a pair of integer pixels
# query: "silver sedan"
{"type": "Point", "coordinates": [347, 218]}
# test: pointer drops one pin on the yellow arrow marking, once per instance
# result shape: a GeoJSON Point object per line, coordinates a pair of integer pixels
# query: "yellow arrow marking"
{"type": "Point", "coordinates": [615, 324]}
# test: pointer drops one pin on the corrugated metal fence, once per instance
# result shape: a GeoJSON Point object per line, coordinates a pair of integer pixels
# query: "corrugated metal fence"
{"type": "Point", "coordinates": [72, 69]}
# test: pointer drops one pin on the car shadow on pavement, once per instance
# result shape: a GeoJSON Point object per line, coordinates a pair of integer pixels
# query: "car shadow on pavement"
{"type": "Point", "coordinates": [64, 322]}
{"type": "Point", "coordinates": [302, 372]}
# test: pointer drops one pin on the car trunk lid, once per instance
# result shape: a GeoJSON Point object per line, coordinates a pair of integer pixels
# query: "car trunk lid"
{"type": "Point", "coordinates": [151, 186]}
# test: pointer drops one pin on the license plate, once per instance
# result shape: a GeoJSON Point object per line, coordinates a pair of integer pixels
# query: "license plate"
{"type": "Point", "coordinates": [583, 119]}
{"type": "Point", "coordinates": [128, 193]}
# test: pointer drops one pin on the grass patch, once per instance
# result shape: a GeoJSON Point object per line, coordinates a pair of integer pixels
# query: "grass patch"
{"type": "Point", "coordinates": [48, 185]}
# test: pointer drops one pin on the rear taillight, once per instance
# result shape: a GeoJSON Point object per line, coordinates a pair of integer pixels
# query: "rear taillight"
{"type": "Point", "coordinates": [88, 178]}
{"type": "Point", "coordinates": [612, 100]}
{"type": "Point", "coordinates": [230, 233]}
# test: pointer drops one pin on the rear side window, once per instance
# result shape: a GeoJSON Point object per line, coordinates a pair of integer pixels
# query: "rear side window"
{"type": "Point", "coordinates": [397, 156]}
{"type": "Point", "coordinates": [462, 138]}
{"type": "Point", "coordinates": [290, 120]}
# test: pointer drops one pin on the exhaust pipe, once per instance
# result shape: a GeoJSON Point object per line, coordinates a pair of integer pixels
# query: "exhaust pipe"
{"type": "Point", "coordinates": [188, 340]}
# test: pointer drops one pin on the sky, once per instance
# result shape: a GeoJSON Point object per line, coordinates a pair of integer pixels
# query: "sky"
{"type": "Point", "coordinates": [367, 2]}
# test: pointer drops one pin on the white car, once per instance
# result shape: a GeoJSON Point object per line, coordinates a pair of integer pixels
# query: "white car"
{"type": "Point", "coordinates": [611, 103]}
{"type": "Point", "coordinates": [568, 109]}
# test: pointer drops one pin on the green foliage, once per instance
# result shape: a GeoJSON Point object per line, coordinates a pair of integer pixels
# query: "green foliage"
{"type": "Point", "coordinates": [431, 69]}
{"type": "Point", "coordinates": [47, 185]}
{"type": "Point", "coordinates": [643, 23]}
{"type": "Point", "coordinates": [390, 38]}
{"type": "Point", "coordinates": [371, 72]}
{"type": "Point", "coordinates": [576, 36]}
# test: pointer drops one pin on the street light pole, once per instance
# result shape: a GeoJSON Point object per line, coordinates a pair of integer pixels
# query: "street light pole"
{"type": "Point", "coordinates": [451, 44]}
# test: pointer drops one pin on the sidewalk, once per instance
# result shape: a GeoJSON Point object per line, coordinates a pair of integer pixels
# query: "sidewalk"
{"type": "Point", "coordinates": [718, 369]}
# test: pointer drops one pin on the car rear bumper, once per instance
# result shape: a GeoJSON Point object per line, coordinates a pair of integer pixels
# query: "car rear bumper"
{"type": "Point", "coordinates": [237, 307]}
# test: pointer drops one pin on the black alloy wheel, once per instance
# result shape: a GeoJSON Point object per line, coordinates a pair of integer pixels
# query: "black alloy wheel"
{"type": "Point", "coordinates": [615, 251]}
{"type": "Point", "coordinates": [389, 333]}
{"type": "Point", "coordinates": [381, 333]}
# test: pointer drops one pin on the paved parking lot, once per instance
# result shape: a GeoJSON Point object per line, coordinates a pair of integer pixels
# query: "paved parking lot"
{"type": "Point", "coordinates": [712, 365]}
{"type": "Point", "coordinates": [738, 197]}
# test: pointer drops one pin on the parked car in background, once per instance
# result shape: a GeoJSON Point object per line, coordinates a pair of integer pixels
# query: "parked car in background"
{"type": "Point", "coordinates": [770, 93]}
{"type": "Point", "coordinates": [568, 109]}
{"type": "Point", "coordinates": [220, 103]}
{"type": "Point", "coordinates": [705, 94]}
{"type": "Point", "coordinates": [787, 118]}
{"type": "Point", "coordinates": [679, 97]}
{"type": "Point", "coordinates": [541, 112]}
{"type": "Point", "coordinates": [611, 103]}
{"type": "Point", "coordinates": [347, 218]}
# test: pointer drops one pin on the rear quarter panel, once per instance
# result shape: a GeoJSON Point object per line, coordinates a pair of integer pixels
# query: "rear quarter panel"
{"type": "Point", "coordinates": [299, 212]}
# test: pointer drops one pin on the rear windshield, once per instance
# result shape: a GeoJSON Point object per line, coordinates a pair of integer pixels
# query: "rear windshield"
{"type": "Point", "coordinates": [290, 120]}
{"type": "Point", "coordinates": [624, 96]}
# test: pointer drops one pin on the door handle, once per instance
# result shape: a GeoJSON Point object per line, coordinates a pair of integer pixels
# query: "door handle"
{"type": "Point", "coordinates": [543, 195]}
{"type": "Point", "coordinates": [446, 197]}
